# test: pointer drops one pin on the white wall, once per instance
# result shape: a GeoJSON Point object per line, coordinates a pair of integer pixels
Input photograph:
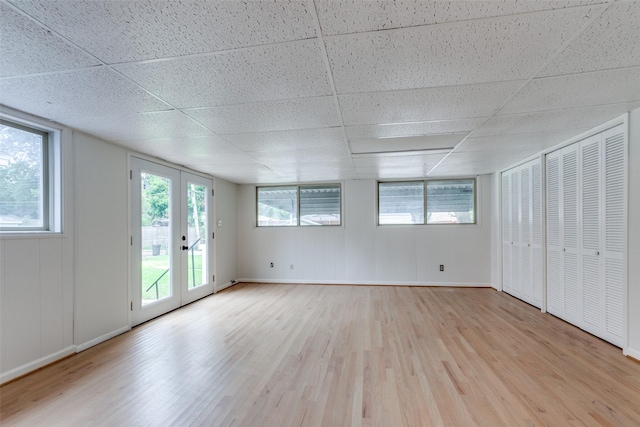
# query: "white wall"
{"type": "Point", "coordinates": [634, 236]}
{"type": "Point", "coordinates": [361, 252]}
{"type": "Point", "coordinates": [102, 240]}
{"type": "Point", "coordinates": [226, 210]}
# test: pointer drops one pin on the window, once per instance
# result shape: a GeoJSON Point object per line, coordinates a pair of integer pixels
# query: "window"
{"type": "Point", "coordinates": [304, 205]}
{"type": "Point", "coordinates": [401, 202]}
{"type": "Point", "coordinates": [449, 201]}
{"type": "Point", "coordinates": [24, 178]}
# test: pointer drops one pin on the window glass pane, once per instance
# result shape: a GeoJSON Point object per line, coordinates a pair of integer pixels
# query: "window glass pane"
{"type": "Point", "coordinates": [451, 201]}
{"type": "Point", "coordinates": [22, 179]}
{"type": "Point", "coordinates": [320, 204]}
{"type": "Point", "coordinates": [277, 206]}
{"type": "Point", "coordinates": [156, 237]}
{"type": "Point", "coordinates": [196, 237]}
{"type": "Point", "coordinates": [401, 202]}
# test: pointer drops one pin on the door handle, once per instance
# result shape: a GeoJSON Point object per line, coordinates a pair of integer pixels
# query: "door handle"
{"type": "Point", "coordinates": [184, 248]}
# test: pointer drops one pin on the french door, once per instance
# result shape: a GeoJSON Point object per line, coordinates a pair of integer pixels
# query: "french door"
{"type": "Point", "coordinates": [171, 240]}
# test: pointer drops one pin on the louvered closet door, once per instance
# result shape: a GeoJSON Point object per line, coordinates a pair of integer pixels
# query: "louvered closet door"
{"type": "Point", "coordinates": [526, 284]}
{"type": "Point", "coordinates": [536, 233]}
{"type": "Point", "coordinates": [571, 276]}
{"type": "Point", "coordinates": [590, 192]}
{"type": "Point", "coordinates": [555, 285]}
{"type": "Point", "coordinates": [506, 231]}
{"type": "Point", "coordinates": [515, 234]}
{"type": "Point", "coordinates": [615, 172]}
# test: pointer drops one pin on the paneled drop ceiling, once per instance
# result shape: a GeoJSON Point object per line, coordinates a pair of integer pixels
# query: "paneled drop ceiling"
{"type": "Point", "coordinates": [323, 90]}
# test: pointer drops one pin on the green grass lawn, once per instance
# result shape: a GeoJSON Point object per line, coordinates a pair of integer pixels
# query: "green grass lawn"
{"type": "Point", "coordinates": [154, 266]}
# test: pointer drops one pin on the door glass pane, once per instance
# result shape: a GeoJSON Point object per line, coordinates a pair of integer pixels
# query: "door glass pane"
{"type": "Point", "coordinates": [197, 227]}
{"type": "Point", "coordinates": [156, 237]}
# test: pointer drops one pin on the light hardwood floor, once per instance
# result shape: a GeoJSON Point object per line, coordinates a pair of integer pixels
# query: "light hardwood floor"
{"type": "Point", "coordinates": [320, 355]}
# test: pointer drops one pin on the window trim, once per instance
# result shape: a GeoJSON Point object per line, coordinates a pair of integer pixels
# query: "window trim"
{"type": "Point", "coordinates": [47, 179]}
{"type": "Point", "coordinates": [476, 219]}
{"type": "Point", "coordinates": [297, 187]}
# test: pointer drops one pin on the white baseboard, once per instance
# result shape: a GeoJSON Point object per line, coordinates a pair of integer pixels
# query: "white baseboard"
{"type": "Point", "coordinates": [631, 353]}
{"type": "Point", "coordinates": [96, 341]}
{"type": "Point", "coordinates": [225, 286]}
{"type": "Point", "coordinates": [36, 364]}
{"type": "Point", "coordinates": [372, 283]}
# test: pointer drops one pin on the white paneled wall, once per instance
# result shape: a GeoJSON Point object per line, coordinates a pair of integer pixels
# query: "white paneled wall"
{"type": "Point", "coordinates": [102, 240]}
{"type": "Point", "coordinates": [63, 293]}
{"type": "Point", "coordinates": [361, 252]}
{"type": "Point", "coordinates": [36, 290]}
{"type": "Point", "coordinates": [225, 204]}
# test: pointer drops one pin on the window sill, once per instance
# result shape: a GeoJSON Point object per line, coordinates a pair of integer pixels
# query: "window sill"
{"type": "Point", "coordinates": [23, 235]}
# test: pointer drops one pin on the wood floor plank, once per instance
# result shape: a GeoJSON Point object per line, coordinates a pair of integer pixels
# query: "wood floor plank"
{"type": "Point", "coordinates": [324, 355]}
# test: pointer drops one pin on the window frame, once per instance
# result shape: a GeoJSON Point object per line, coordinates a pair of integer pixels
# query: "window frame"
{"type": "Point", "coordinates": [47, 180]}
{"type": "Point", "coordinates": [297, 187]}
{"type": "Point", "coordinates": [426, 223]}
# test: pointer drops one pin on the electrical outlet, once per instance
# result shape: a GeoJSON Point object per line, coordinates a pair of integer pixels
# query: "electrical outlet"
{"type": "Point", "coordinates": [291, 267]}
{"type": "Point", "coordinates": [441, 267]}
{"type": "Point", "coordinates": [271, 265]}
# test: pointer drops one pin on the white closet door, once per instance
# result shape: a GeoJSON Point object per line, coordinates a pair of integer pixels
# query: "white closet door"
{"type": "Point", "coordinates": [526, 283]}
{"type": "Point", "coordinates": [572, 288]}
{"type": "Point", "coordinates": [592, 298]}
{"type": "Point", "coordinates": [506, 231]}
{"type": "Point", "coordinates": [536, 233]}
{"type": "Point", "coordinates": [615, 225]}
{"type": "Point", "coordinates": [515, 234]}
{"type": "Point", "coordinates": [555, 285]}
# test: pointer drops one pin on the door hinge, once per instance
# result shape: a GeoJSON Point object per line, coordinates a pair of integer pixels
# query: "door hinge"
{"type": "Point", "coordinates": [213, 235]}
{"type": "Point", "coordinates": [212, 190]}
{"type": "Point", "coordinates": [131, 305]}
{"type": "Point", "coordinates": [214, 277]}
{"type": "Point", "coordinates": [130, 174]}
{"type": "Point", "coordinates": [131, 240]}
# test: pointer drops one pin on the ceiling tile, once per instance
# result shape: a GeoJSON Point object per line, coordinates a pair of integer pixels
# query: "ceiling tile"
{"type": "Point", "coordinates": [170, 147]}
{"type": "Point", "coordinates": [215, 159]}
{"type": "Point", "coordinates": [406, 145]}
{"type": "Point", "coordinates": [288, 139]}
{"type": "Point", "coordinates": [28, 48]}
{"type": "Point", "coordinates": [340, 17]}
{"type": "Point", "coordinates": [612, 41]}
{"type": "Point", "coordinates": [419, 105]}
{"type": "Point", "coordinates": [572, 118]}
{"type": "Point", "coordinates": [393, 172]}
{"type": "Point", "coordinates": [121, 31]}
{"type": "Point", "coordinates": [89, 92]}
{"type": "Point", "coordinates": [265, 73]}
{"type": "Point", "coordinates": [465, 169]}
{"type": "Point", "coordinates": [577, 90]}
{"type": "Point", "coordinates": [165, 124]}
{"type": "Point", "coordinates": [413, 129]}
{"type": "Point", "coordinates": [269, 116]}
{"type": "Point", "coordinates": [315, 167]}
{"type": "Point", "coordinates": [308, 155]}
{"type": "Point", "coordinates": [397, 161]}
{"type": "Point", "coordinates": [502, 49]}
{"type": "Point", "coordinates": [523, 145]}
